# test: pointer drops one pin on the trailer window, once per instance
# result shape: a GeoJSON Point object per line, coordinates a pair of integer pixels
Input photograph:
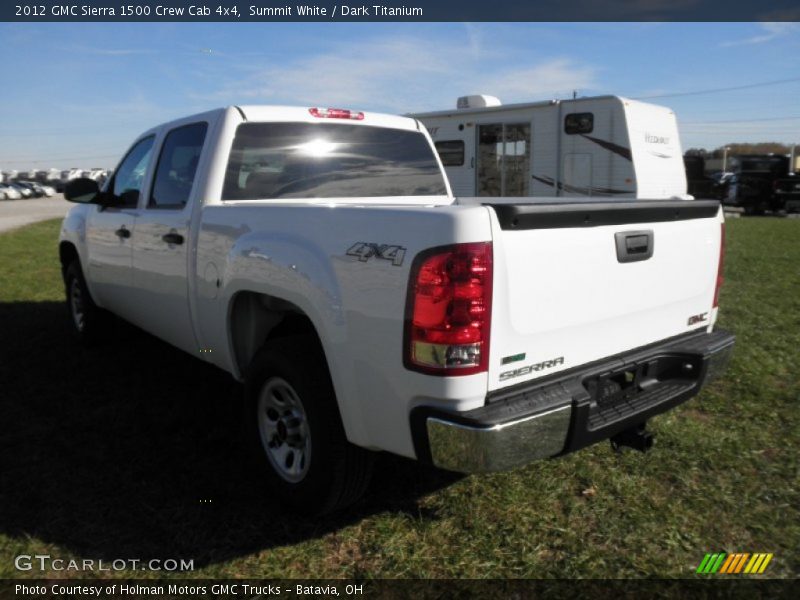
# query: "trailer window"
{"type": "Point", "coordinates": [451, 153]}
{"type": "Point", "coordinates": [325, 160]}
{"type": "Point", "coordinates": [516, 159]}
{"type": "Point", "coordinates": [579, 123]}
{"type": "Point", "coordinates": [504, 153]}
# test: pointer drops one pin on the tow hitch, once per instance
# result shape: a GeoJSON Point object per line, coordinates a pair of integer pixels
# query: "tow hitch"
{"type": "Point", "coordinates": [637, 437]}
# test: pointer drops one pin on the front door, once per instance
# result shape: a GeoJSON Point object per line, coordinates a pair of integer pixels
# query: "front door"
{"type": "Point", "coordinates": [110, 228]}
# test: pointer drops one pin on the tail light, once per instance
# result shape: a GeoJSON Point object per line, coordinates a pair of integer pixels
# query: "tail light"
{"type": "Point", "coordinates": [336, 113]}
{"type": "Point", "coordinates": [720, 278]}
{"type": "Point", "coordinates": [449, 309]}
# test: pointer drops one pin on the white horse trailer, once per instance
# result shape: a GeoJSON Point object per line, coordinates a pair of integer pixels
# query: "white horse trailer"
{"type": "Point", "coordinates": [605, 146]}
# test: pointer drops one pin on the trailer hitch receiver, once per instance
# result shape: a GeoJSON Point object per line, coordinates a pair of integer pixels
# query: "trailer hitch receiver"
{"type": "Point", "coordinates": [637, 437]}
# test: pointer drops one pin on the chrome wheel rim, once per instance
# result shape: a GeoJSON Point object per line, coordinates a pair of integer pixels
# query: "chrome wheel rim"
{"type": "Point", "coordinates": [283, 427]}
{"type": "Point", "coordinates": [76, 305]}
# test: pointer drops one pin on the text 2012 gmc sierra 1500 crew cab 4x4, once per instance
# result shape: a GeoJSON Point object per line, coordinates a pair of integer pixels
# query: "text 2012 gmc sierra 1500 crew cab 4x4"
{"type": "Point", "coordinates": [319, 256]}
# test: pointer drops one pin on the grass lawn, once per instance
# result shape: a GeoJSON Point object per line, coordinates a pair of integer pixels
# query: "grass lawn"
{"type": "Point", "coordinates": [130, 451]}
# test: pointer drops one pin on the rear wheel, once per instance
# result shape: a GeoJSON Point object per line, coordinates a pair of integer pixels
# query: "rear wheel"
{"type": "Point", "coordinates": [283, 429]}
{"type": "Point", "coordinates": [295, 431]}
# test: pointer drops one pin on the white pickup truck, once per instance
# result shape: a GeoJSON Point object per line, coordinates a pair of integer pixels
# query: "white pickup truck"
{"type": "Point", "coordinates": [319, 256]}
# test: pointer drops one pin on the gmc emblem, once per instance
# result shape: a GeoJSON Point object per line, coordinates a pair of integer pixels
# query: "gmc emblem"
{"type": "Point", "coordinates": [697, 319]}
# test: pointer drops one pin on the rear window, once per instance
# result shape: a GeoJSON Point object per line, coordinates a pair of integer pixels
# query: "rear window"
{"type": "Point", "coordinates": [325, 160]}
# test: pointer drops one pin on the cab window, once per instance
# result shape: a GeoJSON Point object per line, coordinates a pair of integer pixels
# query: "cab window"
{"type": "Point", "coordinates": [177, 166]}
{"type": "Point", "coordinates": [130, 175]}
{"type": "Point", "coordinates": [329, 160]}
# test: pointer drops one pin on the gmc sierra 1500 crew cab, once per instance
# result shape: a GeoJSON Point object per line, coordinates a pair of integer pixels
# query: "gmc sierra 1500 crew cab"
{"type": "Point", "coordinates": [319, 256]}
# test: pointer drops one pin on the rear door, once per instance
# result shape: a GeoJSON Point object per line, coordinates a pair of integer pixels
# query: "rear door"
{"type": "Point", "coordinates": [575, 283]}
{"type": "Point", "coordinates": [161, 243]}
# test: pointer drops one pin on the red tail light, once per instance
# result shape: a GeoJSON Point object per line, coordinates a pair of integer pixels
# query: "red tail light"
{"type": "Point", "coordinates": [448, 311]}
{"type": "Point", "coordinates": [720, 278]}
{"type": "Point", "coordinates": [336, 113]}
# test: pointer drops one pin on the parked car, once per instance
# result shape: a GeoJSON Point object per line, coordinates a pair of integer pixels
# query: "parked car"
{"type": "Point", "coordinates": [787, 191]}
{"type": "Point", "coordinates": [698, 184]}
{"type": "Point", "coordinates": [753, 185]}
{"type": "Point", "coordinates": [319, 256]}
{"type": "Point", "coordinates": [24, 191]}
{"type": "Point", "coordinates": [10, 192]}
{"type": "Point", "coordinates": [35, 189]}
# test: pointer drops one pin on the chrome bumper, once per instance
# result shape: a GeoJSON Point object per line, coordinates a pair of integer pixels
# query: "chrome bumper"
{"type": "Point", "coordinates": [500, 447]}
{"type": "Point", "coordinates": [542, 419]}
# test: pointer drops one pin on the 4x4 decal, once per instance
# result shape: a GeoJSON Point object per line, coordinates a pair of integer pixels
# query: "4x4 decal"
{"type": "Point", "coordinates": [366, 250]}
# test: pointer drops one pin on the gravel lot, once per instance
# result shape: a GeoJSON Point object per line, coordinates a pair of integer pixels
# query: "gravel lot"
{"type": "Point", "coordinates": [16, 213]}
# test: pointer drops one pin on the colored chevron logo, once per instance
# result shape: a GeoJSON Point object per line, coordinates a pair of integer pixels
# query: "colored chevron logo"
{"type": "Point", "coordinates": [731, 564]}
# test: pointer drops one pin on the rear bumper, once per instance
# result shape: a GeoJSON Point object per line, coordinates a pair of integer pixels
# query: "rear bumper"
{"type": "Point", "coordinates": [571, 410]}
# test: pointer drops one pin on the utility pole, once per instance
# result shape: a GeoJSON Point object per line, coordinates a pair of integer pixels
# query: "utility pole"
{"type": "Point", "coordinates": [725, 159]}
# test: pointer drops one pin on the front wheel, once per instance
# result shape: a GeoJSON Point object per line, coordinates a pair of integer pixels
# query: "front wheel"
{"type": "Point", "coordinates": [86, 317]}
{"type": "Point", "coordinates": [295, 430]}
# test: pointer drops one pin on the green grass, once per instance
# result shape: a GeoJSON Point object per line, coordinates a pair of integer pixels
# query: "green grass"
{"type": "Point", "coordinates": [108, 453]}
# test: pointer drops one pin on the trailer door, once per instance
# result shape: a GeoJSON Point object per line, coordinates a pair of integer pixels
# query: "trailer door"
{"type": "Point", "coordinates": [503, 163]}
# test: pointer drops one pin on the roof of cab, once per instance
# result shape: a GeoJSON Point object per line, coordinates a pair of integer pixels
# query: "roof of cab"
{"type": "Point", "coordinates": [302, 113]}
{"type": "Point", "coordinates": [267, 113]}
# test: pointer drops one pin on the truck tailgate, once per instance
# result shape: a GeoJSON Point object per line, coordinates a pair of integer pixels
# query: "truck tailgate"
{"type": "Point", "coordinates": [575, 283]}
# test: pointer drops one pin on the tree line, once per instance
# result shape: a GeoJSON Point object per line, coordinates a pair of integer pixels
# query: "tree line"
{"type": "Point", "coordinates": [741, 148]}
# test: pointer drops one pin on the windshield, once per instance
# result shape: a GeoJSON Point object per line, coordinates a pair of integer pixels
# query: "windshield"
{"type": "Point", "coordinates": [325, 160]}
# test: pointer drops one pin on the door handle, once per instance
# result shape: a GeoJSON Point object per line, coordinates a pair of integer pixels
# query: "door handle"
{"type": "Point", "coordinates": [634, 246]}
{"type": "Point", "coordinates": [123, 232]}
{"type": "Point", "coordinates": [172, 237]}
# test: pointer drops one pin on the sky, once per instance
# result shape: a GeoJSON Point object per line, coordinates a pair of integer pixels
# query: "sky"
{"type": "Point", "coordinates": [77, 94]}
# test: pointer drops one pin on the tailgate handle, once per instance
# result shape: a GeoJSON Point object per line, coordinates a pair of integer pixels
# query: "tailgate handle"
{"type": "Point", "coordinates": [633, 246]}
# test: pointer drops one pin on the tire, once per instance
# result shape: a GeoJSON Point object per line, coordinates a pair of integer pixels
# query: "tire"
{"type": "Point", "coordinates": [86, 317]}
{"type": "Point", "coordinates": [294, 430]}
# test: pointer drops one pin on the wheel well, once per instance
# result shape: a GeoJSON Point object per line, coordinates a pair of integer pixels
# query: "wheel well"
{"type": "Point", "coordinates": [66, 254]}
{"type": "Point", "coordinates": [256, 318]}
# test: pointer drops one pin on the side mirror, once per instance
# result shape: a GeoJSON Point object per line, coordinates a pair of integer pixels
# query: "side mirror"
{"type": "Point", "coordinates": [82, 190]}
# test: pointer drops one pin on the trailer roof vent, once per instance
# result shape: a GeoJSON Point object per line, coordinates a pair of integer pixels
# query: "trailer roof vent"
{"type": "Point", "coordinates": [477, 101]}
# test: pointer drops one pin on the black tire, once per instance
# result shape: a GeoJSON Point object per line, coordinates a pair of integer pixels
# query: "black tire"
{"type": "Point", "coordinates": [333, 472]}
{"type": "Point", "coordinates": [87, 319]}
